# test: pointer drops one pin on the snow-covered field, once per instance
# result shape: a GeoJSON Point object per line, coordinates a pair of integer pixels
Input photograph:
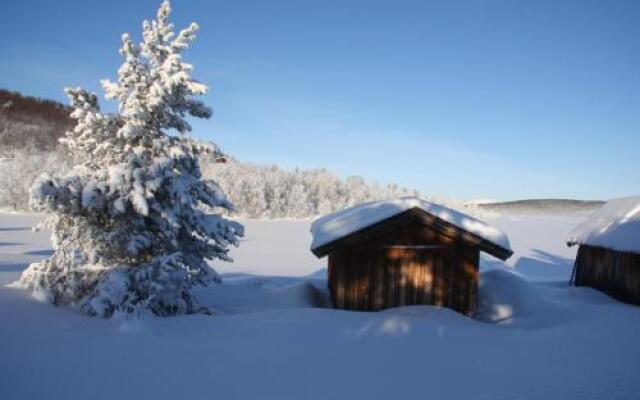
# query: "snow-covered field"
{"type": "Point", "coordinates": [540, 339]}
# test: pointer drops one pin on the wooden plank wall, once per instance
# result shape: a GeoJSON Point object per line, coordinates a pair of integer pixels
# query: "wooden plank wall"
{"type": "Point", "coordinates": [613, 272]}
{"type": "Point", "coordinates": [381, 275]}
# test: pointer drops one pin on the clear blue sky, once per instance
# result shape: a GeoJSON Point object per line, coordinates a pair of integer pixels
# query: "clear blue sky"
{"type": "Point", "coordinates": [498, 99]}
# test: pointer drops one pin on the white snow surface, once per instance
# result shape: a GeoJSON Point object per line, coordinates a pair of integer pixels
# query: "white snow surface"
{"type": "Point", "coordinates": [332, 227]}
{"type": "Point", "coordinates": [535, 337]}
{"type": "Point", "coordinates": [615, 226]}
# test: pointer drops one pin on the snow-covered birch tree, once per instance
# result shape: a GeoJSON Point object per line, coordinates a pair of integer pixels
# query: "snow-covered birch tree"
{"type": "Point", "coordinates": [127, 229]}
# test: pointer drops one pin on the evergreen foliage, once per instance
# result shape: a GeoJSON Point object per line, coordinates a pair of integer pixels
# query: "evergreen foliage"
{"type": "Point", "coordinates": [128, 228]}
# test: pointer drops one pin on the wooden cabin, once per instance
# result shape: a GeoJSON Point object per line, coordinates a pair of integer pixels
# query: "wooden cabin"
{"type": "Point", "coordinates": [402, 252]}
{"type": "Point", "coordinates": [608, 257]}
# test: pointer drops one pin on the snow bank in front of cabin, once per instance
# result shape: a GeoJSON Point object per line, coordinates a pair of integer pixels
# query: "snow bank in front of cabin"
{"type": "Point", "coordinates": [342, 223]}
{"type": "Point", "coordinates": [615, 226]}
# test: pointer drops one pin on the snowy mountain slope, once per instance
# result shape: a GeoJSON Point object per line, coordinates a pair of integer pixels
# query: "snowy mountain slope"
{"type": "Point", "coordinates": [540, 339]}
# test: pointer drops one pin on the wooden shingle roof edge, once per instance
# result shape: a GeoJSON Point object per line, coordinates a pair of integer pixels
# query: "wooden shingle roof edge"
{"type": "Point", "coordinates": [425, 218]}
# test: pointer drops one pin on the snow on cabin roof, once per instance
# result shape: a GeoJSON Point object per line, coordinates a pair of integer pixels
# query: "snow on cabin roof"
{"type": "Point", "coordinates": [615, 226]}
{"type": "Point", "coordinates": [332, 227]}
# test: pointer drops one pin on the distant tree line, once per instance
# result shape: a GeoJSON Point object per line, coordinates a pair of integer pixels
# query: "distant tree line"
{"type": "Point", "coordinates": [268, 191]}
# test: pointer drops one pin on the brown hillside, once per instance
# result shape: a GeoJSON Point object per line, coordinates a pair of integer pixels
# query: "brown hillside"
{"type": "Point", "coordinates": [31, 123]}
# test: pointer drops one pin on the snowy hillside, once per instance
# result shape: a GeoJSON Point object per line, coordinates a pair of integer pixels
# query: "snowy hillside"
{"type": "Point", "coordinates": [257, 191]}
{"type": "Point", "coordinates": [31, 127]}
{"type": "Point", "coordinates": [538, 338]}
{"type": "Point", "coordinates": [541, 206]}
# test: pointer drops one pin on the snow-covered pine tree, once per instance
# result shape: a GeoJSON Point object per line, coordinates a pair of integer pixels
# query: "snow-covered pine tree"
{"type": "Point", "coordinates": [128, 232]}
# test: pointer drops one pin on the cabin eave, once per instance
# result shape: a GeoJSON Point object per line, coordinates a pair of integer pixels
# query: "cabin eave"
{"type": "Point", "coordinates": [405, 218]}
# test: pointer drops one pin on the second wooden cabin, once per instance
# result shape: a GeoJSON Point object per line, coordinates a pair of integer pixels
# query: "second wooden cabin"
{"type": "Point", "coordinates": [402, 252]}
{"type": "Point", "coordinates": [608, 256]}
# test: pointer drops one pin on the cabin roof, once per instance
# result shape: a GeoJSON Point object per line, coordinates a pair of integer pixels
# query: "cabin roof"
{"type": "Point", "coordinates": [615, 226]}
{"type": "Point", "coordinates": [337, 229]}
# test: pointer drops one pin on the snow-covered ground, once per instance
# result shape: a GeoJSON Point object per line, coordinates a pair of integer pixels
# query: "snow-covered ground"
{"type": "Point", "coordinates": [539, 338]}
